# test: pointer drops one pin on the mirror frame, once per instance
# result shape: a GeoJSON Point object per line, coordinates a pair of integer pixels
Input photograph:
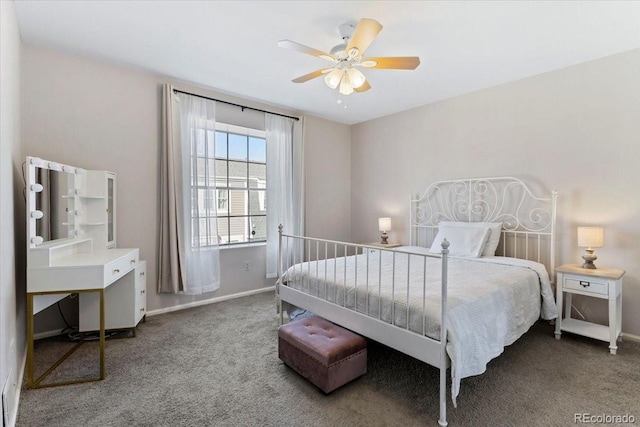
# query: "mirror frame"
{"type": "Point", "coordinates": [32, 164]}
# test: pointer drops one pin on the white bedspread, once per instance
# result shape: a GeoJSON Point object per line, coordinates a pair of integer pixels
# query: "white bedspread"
{"type": "Point", "coordinates": [491, 301]}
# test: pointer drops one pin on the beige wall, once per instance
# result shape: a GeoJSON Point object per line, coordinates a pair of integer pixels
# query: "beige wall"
{"type": "Point", "coordinates": [328, 171]}
{"type": "Point", "coordinates": [576, 130]}
{"type": "Point", "coordinates": [12, 242]}
{"type": "Point", "coordinates": [100, 116]}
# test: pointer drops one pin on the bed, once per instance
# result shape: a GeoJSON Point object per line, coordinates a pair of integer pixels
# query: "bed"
{"type": "Point", "coordinates": [472, 279]}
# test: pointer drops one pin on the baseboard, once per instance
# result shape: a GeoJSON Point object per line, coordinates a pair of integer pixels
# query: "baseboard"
{"type": "Point", "coordinates": [630, 337]}
{"type": "Point", "coordinates": [209, 301]}
{"type": "Point", "coordinates": [11, 414]}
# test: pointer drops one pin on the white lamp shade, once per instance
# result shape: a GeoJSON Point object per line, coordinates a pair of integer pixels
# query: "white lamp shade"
{"type": "Point", "coordinates": [345, 85]}
{"type": "Point", "coordinates": [332, 79]}
{"type": "Point", "coordinates": [384, 224]}
{"type": "Point", "coordinates": [590, 237]}
{"type": "Point", "coordinates": [356, 78]}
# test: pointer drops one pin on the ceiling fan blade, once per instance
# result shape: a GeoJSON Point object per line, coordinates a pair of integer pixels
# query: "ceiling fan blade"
{"type": "Point", "coordinates": [311, 75]}
{"type": "Point", "coordinates": [363, 35]}
{"type": "Point", "coordinates": [390, 62]}
{"type": "Point", "coordinates": [365, 86]}
{"type": "Point", "coordinates": [288, 44]}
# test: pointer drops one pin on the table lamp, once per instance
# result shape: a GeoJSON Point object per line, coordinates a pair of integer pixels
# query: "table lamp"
{"type": "Point", "coordinates": [589, 238]}
{"type": "Point", "coordinates": [384, 225]}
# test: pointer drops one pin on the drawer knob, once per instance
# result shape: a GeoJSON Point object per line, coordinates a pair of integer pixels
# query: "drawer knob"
{"type": "Point", "coordinates": [142, 274]}
{"type": "Point", "coordinates": [116, 270]}
{"type": "Point", "coordinates": [142, 310]}
{"type": "Point", "coordinates": [142, 291]}
{"type": "Point", "coordinates": [133, 261]}
{"type": "Point", "coordinates": [584, 284]}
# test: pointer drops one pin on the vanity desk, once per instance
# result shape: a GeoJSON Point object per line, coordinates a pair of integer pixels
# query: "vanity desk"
{"type": "Point", "coordinates": [78, 256]}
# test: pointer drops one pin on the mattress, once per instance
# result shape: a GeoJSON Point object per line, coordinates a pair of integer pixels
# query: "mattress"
{"type": "Point", "coordinates": [492, 301]}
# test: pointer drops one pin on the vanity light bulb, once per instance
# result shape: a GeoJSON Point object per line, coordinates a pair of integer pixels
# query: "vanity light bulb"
{"type": "Point", "coordinates": [37, 188]}
{"type": "Point", "coordinates": [37, 214]}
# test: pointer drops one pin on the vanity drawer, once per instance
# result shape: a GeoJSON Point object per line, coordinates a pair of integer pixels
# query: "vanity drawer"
{"type": "Point", "coordinates": [121, 266]}
{"type": "Point", "coordinates": [141, 275]}
{"type": "Point", "coordinates": [141, 291]}
{"type": "Point", "coordinates": [592, 286]}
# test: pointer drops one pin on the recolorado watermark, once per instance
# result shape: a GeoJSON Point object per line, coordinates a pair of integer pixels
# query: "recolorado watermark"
{"type": "Point", "coordinates": [587, 418]}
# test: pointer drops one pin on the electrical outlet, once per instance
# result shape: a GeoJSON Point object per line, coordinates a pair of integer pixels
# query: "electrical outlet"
{"type": "Point", "coordinates": [246, 266]}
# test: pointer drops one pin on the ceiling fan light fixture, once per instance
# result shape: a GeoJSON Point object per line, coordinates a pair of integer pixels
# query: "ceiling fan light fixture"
{"type": "Point", "coordinates": [333, 78]}
{"type": "Point", "coordinates": [356, 77]}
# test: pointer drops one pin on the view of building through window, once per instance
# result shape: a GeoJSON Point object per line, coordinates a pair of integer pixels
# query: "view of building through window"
{"type": "Point", "coordinates": [237, 190]}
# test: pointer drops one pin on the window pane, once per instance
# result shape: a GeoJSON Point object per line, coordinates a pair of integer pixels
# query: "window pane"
{"type": "Point", "coordinates": [200, 141]}
{"type": "Point", "coordinates": [212, 231]}
{"type": "Point", "coordinates": [238, 202]}
{"type": "Point", "coordinates": [204, 203]}
{"type": "Point", "coordinates": [238, 174]}
{"type": "Point", "coordinates": [221, 144]}
{"type": "Point", "coordinates": [202, 235]}
{"type": "Point", "coordinates": [257, 204]}
{"type": "Point", "coordinates": [257, 176]}
{"type": "Point", "coordinates": [258, 227]}
{"type": "Point", "coordinates": [223, 230]}
{"type": "Point", "coordinates": [237, 147]}
{"type": "Point", "coordinates": [223, 202]}
{"type": "Point", "coordinates": [210, 143]}
{"type": "Point", "coordinates": [238, 229]}
{"type": "Point", "coordinates": [200, 172]}
{"type": "Point", "coordinates": [221, 173]}
{"type": "Point", "coordinates": [211, 167]}
{"type": "Point", "coordinates": [257, 150]}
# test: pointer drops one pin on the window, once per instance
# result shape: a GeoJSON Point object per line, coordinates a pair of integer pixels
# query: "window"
{"type": "Point", "coordinates": [239, 158]}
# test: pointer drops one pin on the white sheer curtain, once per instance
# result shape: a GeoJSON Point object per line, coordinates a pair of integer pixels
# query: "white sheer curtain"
{"type": "Point", "coordinates": [284, 184]}
{"type": "Point", "coordinates": [195, 226]}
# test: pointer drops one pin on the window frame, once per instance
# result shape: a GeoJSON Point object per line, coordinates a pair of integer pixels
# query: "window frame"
{"type": "Point", "coordinates": [246, 187]}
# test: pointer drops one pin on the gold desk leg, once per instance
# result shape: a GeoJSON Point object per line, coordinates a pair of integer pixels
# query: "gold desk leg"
{"type": "Point", "coordinates": [31, 383]}
{"type": "Point", "coordinates": [30, 340]}
{"type": "Point", "coordinates": [102, 334]}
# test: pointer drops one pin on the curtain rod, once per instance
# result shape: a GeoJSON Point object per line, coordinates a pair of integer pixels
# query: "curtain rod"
{"type": "Point", "coordinates": [244, 107]}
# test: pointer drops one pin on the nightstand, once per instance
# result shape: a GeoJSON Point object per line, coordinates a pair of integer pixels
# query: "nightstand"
{"type": "Point", "coordinates": [379, 245]}
{"type": "Point", "coordinates": [604, 283]}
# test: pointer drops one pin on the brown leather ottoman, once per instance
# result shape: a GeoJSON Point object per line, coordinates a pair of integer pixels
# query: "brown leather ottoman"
{"type": "Point", "coordinates": [326, 354]}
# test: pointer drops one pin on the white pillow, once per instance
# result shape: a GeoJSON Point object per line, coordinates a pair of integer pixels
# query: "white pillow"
{"type": "Point", "coordinates": [414, 249]}
{"type": "Point", "coordinates": [495, 228]}
{"type": "Point", "coordinates": [464, 241]}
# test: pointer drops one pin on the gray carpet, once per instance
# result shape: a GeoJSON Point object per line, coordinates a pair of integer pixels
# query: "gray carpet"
{"type": "Point", "coordinates": [217, 365]}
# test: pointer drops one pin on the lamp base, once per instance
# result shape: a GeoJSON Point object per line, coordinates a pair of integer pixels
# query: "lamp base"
{"type": "Point", "coordinates": [588, 258]}
{"type": "Point", "coordinates": [384, 237]}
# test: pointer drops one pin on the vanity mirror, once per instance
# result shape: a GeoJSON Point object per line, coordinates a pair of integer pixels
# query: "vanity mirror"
{"type": "Point", "coordinates": [51, 190]}
{"type": "Point", "coordinates": [67, 202]}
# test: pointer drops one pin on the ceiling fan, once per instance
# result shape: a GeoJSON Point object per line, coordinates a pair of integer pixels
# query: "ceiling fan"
{"type": "Point", "coordinates": [348, 56]}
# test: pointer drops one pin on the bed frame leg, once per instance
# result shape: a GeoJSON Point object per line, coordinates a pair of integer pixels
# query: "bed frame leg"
{"type": "Point", "coordinates": [443, 393]}
{"type": "Point", "coordinates": [443, 335]}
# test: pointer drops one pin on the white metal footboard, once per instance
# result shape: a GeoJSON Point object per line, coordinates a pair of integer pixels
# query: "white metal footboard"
{"type": "Point", "coordinates": [332, 292]}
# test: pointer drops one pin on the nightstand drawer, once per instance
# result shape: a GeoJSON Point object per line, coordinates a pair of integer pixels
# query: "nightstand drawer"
{"type": "Point", "coordinates": [590, 285]}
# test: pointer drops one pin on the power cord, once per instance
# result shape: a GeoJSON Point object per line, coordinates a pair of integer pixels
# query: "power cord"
{"type": "Point", "coordinates": [72, 331]}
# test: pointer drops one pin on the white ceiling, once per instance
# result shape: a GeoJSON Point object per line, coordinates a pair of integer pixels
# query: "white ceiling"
{"type": "Point", "coordinates": [231, 46]}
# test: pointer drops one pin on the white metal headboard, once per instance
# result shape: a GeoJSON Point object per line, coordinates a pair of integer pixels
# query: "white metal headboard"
{"type": "Point", "coordinates": [528, 221]}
